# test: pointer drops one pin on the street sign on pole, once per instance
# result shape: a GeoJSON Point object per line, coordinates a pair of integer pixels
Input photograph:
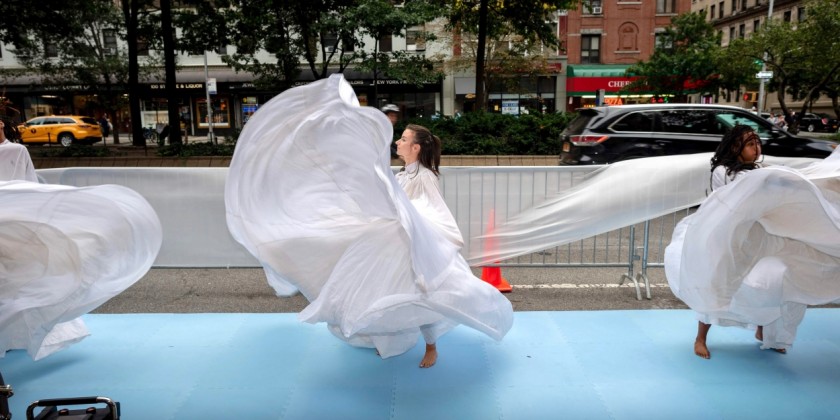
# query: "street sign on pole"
{"type": "Point", "coordinates": [764, 75]}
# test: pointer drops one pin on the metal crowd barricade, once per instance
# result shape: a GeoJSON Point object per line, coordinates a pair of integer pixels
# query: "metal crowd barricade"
{"type": "Point", "coordinates": [190, 204]}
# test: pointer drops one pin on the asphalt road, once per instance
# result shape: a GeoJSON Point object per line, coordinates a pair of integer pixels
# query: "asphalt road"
{"type": "Point", "coordinates": [246, 290]}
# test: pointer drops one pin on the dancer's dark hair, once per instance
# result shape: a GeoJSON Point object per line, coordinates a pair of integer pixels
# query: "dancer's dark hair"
{"type": "Point", "coordinates": [429, 147]}
{"type": "Point", "coordinates": [730, 149]}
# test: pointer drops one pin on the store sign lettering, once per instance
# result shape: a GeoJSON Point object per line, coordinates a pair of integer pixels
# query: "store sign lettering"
{"type": "Point", "coordinates": [618, 83]}
{"type": "Point", "coordinates": [179, 86]}
{"type": "Point", "coordinates": [593, 84]}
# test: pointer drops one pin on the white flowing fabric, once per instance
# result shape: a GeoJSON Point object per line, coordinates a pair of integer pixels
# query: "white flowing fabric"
{"type": "Point", "coordinates": [618, 195]}
{"type": "Point", "coordinates": [760, 249]}
{"type": "Point", "coordinates": [311, 195]}
{"type": "Point", "coordinates": [15, 163]}
{"type": "Point", "coordinates": [63, 252]}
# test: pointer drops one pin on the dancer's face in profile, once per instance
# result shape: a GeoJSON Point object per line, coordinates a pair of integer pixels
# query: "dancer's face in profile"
{"type": "Point", "coordinates": [752, 148]}
{"type": "Point", "coordinates": [406, 148]}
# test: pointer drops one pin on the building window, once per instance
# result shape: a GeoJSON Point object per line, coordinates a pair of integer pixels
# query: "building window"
{"type": "Point", "coordinates": [720, 10]}
{"type": "Point", "coordinates": [592, 7]}
{"type": "Point", "coordinates": [50, 50]}
{"type": "Point", "coordinates": [662, 42]}
{"type": "Point", "coordinates": [385, 43]}
{"type": "Point", "coordinates": [734, 6]}
{"type": "Point", "coordinates": [786, 17]}
{"type": "Point", "coordinates": [756, 25]}
{"type": "Point", "coordinates": [800, 14]}
{"type": "Point", "coordinates": [414, 40]}
{"type": "Point", "coordinates": [743, 5]}
{"type": "Point", "coordinates": [731, 33]}
{"type": "Point", "coordinates": [109, 41]}
{"type": "Point", "coordinates": [712, 15]}
{"type": "Point", "coordinates": [142, 47]}
{"type": "Point", "coordinates": [666, 6]}
{"type": "Point", "coordinates": [742, 28]}
{"type": "Point", "coordinates": [590, 49]}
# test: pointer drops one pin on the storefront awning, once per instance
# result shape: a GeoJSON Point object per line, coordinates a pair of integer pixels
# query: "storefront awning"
{"type": "Point", "coordinates": [596, 70]}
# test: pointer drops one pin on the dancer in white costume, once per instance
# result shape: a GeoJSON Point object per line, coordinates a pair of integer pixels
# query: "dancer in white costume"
{"type": "Point", "coordinates": [15, 162]}
{"type": "Point", "coordinates": [311, 195]}
{"type": "Point", "coordinates": [762, 247]}
{"type": "Point", "coordinates": [63, 252]}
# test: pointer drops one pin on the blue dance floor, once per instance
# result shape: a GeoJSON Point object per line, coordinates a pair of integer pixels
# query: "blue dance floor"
{"type": "Point", "coordinates": [552, 365]}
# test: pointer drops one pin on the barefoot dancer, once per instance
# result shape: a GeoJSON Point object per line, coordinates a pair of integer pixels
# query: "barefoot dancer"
{"type": "Point", "coordinates": [311, 194]}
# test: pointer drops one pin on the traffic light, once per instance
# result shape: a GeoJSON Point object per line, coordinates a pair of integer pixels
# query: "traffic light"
{"type": "Point", "coordinates": [751, 96]}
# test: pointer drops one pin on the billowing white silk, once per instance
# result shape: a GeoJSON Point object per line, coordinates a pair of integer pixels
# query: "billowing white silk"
{"type": "Point", "coordinates": [63, 252]}
{"type": "Point", "coordinates": [760, 249]}
{"type": "Point", "coordinates": [618, 195]}
{"type": "Point", "coordinates": [310, 193]}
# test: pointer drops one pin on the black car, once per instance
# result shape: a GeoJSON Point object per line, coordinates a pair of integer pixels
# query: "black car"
{"type": "Point", "coordinates": [612, 133]}
{"type": "Point", "coordinates": [818, 122]}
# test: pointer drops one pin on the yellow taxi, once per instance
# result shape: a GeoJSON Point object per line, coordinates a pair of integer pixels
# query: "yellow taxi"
{"type": "Point", "coordinates": [61, 129]}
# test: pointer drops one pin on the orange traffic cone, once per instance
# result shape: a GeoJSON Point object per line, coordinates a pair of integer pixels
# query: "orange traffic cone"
{"type": "Point", "coordinates": [493, 275]}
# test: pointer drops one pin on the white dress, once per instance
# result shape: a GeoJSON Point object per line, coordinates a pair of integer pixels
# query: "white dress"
{"type": "Point", "coordinates": [760, 249]}
{"type": "Point", "coordinates": [15, 163]}
{"type": "Point", "coordinates": [63, 252]}
{"type": "Point", "coordinates": [310, 193]}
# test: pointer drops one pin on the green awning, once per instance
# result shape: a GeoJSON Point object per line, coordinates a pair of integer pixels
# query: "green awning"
{"type": "Point", "coordinates": [596, 70]}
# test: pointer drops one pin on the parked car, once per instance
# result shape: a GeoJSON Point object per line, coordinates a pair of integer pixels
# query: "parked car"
{"type": "Point", "coordinates": [613, 133]}
{"type": "Point", "coordinates": [818, 122]}
{"type": "Point", "coordinates": [62, 129]}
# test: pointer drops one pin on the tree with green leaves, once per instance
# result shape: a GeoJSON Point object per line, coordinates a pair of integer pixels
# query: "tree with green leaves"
{"type": "Point", "coordinates": [686, 60]}
{"type": "Point", "coordinates": [80, 56]}
{"type": "Point", "coordinates": [805, 61]}
{"type": "Point", "coordinates": [525, 21]}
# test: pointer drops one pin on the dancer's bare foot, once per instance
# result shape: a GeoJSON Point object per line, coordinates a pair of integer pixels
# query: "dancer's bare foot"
{"type": "Point", "coordinates": [701, 350]}
{"type": "Point", "coordinates": [430, 357]}
{"type": "Point", "coordinates": [759, 335]}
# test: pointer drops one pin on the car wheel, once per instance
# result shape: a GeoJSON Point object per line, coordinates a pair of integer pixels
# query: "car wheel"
{"type": "Point", "coordinates": [65, 139]}
{"type": "Point", "coordinates": [811, 128]}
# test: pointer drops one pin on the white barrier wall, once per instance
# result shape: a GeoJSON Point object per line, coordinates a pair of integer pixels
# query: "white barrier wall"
{"type": "Point", "coordinates": [190, 203]}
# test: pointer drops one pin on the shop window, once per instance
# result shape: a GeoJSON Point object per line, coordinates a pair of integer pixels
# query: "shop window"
{"type": "Point", "coordinates": [590, 49]}
{"type": "Point", "coordinates": [628, 37]}
{"type": "Point", "coordinates": [666, 6]}
{"type": "Point", "coordinates": [221, 112]}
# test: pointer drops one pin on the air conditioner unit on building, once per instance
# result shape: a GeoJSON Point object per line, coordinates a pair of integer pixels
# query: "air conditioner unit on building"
{"type": "Point", "coordinates": [329, 48]}
{"type": "Point", "coordinates": [597, 10]}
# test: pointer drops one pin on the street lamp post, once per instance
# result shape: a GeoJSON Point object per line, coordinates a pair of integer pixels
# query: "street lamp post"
{"type": "Point", "coordinates": [764, 66]}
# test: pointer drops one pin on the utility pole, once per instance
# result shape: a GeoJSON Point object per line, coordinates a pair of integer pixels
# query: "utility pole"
{"type": "Point", "coordinates": [760, 106]}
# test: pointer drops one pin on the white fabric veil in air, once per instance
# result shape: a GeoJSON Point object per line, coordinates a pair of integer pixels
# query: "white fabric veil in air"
{"type": "Point", "coordinates": [615, 196]}
{"type": "Point", "coordinates": [63, 252]}
{"type": "Point", "coordinates": [310, 193]}
{"type": "Point", "coordinates": [760, 249]}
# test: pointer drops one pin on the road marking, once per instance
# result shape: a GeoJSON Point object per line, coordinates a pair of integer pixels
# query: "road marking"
{"type": "Point", "coordinates": [584, 285]}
